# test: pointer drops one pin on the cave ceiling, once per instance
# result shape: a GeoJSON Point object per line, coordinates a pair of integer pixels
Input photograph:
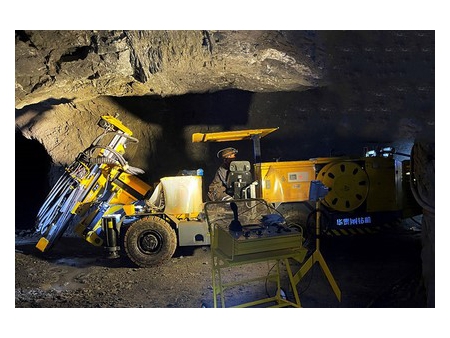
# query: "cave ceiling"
{"type": "Point", "coordinates": [82, 65]}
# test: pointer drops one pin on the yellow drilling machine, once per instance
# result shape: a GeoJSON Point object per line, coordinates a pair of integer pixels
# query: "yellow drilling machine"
{"type": "Point", "coordinates": [101, 196]}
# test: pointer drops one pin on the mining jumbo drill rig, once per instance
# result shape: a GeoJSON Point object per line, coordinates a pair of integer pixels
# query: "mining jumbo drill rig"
{"type": "Point", "coordinates": [102, 197]}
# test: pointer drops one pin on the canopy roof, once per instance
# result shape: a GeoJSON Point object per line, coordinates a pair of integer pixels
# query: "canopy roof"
{"type": "Point", "coordinates": [234, 135]}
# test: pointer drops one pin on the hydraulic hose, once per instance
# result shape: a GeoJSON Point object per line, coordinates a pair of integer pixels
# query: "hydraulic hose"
{"type": "Point", "coordinates": [122, 162]}
{"type": "Point", "coordinates": [102, 160]}
{"type": "Point", "coordinates": [120, 158]}
{"type": "Point", "coordinates": [133, 170]}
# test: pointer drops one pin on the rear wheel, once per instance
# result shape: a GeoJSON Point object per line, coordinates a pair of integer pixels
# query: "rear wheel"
{"type": "Point", "coordinates": [150, 241]}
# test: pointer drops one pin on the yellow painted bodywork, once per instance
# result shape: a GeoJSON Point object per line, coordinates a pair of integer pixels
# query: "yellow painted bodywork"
{"type": "Point", "coordinates": [91, 236]}
{"type": "Point", "coordinates": [129, 209]}
{"type": "Point", "coordinates": [234, 135]}
{"type": "Point", "coordinates": [42, 244]}
{"type": "Point", "coordinates": [378, 182]}
{"type": "Point", "coordinates": [134, 184]}
{"type": "Point", "coordinates": [106, 182]}
{"type": "Point", "coordinates": [98, 187]}
{"type": "Point", "coordinates": [121, 199]}
{"type": "Point", "coordinates": [285, 181]}
{"type": "Point", "coordinates": [385, 184]}
{"type": "Point", "coordinates": [118, 124]}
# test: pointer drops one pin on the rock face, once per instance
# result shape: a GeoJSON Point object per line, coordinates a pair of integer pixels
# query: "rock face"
{"type": "Point", "coordinates": [82, 65]}
{"type": "Point", "coordinates": [65, 80]}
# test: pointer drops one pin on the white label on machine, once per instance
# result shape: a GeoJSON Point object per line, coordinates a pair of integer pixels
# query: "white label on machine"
{"type": "Point", "coordinates": [299, 176]}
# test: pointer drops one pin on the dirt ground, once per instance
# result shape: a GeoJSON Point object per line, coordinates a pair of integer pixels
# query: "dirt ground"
{"type": "Point", "coordinates": [378, 271]}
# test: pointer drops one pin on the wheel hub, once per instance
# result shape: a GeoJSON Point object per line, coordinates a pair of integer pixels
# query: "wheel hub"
{"type": "Point", "coordinates": [150, 242]}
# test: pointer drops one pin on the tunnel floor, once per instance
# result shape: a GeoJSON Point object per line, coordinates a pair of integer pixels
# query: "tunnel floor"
{"type": "Point", "coordinates": [372, 271]}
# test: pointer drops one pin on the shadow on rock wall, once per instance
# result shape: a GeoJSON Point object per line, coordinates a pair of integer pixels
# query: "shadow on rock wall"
{"type": "Point", "coordinates": [178, 117]}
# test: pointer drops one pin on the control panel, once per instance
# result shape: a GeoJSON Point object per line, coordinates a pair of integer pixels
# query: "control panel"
{"type": "Point", "coordinates": [257, 238]}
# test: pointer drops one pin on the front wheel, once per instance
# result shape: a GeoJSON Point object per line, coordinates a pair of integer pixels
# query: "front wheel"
{"type": "Point", "coordinates": [150, 241]}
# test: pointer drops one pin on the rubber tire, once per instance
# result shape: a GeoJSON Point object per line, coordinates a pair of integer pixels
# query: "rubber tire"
{"type": "Point", "coordinates": [156, 228]}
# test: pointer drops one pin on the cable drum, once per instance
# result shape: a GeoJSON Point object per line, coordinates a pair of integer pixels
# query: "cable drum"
{"type": "Point", "coordinates": [348, 185]}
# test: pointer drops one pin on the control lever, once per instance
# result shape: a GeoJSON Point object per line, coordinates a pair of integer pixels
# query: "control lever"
{"type": "Point", "coordinates": [235, 225]}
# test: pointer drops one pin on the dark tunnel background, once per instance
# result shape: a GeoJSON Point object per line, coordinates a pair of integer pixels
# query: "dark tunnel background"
{"type": "Point", "coordinates": [176, 114]}
{"type": "Point", "coordinates": [32, 165]}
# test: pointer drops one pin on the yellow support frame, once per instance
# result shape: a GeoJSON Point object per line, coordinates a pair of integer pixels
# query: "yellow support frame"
{"type": "Point", "coordinates": [237, 135]}
{"type": "Point", "coordinates": [220, 261]}
{"type": "Point", "coordinates": [317, 257]}
{"type": "Point", "coordinates": [229, 252]}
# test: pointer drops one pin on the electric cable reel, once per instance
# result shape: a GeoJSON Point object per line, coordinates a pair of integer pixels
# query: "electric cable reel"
{"type": "Point", "coordinates": [348, 185]}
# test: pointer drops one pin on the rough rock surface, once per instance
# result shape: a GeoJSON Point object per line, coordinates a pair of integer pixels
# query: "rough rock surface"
{"type": "Point", "coordinates": [82, 65]}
